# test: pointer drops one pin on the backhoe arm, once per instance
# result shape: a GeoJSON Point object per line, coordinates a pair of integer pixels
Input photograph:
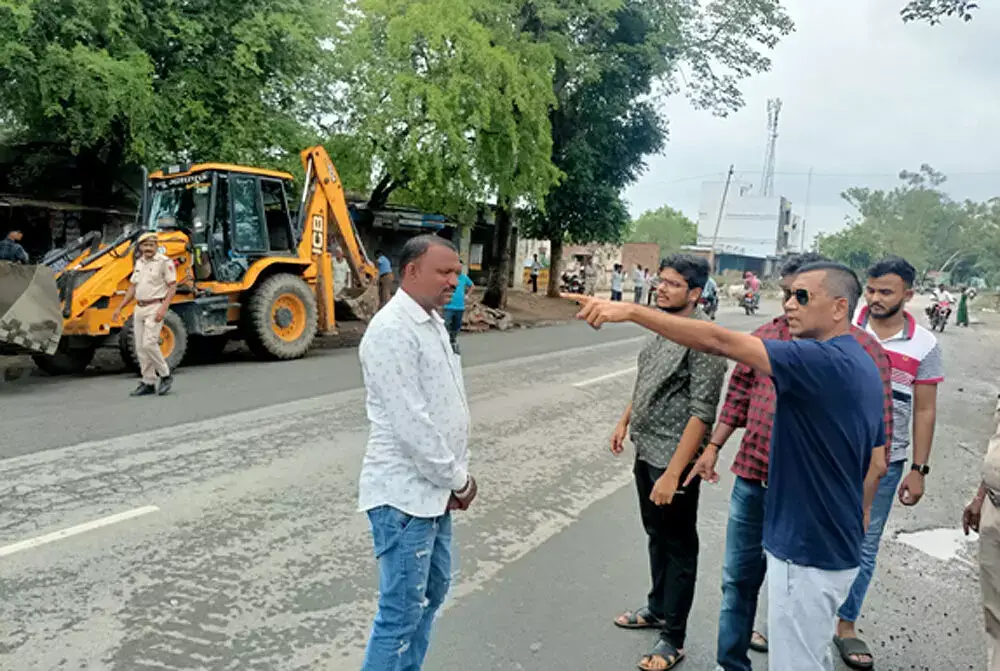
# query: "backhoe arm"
{"type": "Point", "coordinates": [323, 196]}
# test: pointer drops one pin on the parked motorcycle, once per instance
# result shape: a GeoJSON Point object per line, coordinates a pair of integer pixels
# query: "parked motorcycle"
{"type": "Point", "coordinates": [572, 283]}
{"type": "Point", "coordinates": [939, 313]}
{"type": "Point", "coordinates": [749, 303]}
{"type": "Point", "coordinates": [710, 306]}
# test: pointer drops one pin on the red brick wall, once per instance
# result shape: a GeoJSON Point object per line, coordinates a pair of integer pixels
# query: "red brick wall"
{"type": "Point", "coordinates": [646, 254]}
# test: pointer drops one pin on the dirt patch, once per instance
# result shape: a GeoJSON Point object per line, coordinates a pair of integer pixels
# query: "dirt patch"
{"type": "Point", "coordinates": [348, 335]}
{"type": "Point", "coordinates": [527, 309]}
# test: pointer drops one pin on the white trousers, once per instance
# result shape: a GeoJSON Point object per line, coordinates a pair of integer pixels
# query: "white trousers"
{"type": "Point", "coordinates": [802, 611]}
{"type": "Point", "coordinates": [152, 365]}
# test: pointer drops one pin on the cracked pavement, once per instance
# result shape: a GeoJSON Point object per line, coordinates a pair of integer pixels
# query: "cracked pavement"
{"type": "Point", "coordinates": [257, 559]}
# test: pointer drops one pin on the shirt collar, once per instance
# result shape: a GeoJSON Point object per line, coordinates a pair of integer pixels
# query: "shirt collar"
{"type": "Point", "coordinates": [909, 323]}
{"type": "Point", "coordinates": [413, 308]}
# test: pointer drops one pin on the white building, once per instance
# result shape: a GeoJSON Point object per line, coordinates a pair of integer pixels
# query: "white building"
{"type": "Point", "coordinates": [752, 226]}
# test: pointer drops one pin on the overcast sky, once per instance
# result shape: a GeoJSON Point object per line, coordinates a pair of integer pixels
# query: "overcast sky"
{"type": "Point", "coordinates": [864, 96]}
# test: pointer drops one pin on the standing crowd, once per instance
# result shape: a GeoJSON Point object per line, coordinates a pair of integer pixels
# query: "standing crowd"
{"type": "Point", "coordinates": [837, 399]}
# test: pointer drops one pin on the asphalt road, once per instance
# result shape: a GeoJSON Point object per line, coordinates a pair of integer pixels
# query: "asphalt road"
{"type": "Point", "coordinates": [244, 550]}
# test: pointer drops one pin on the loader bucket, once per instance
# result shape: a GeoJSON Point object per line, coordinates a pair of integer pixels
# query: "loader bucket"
{"type": "Point", "coordinates": [30, 314]}
{"type": "Point", "coordinates": [361, 303]}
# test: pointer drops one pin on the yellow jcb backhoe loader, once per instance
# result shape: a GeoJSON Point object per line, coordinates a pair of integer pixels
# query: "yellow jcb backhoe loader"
{"type": "Point", "coordinates": [248, 266]}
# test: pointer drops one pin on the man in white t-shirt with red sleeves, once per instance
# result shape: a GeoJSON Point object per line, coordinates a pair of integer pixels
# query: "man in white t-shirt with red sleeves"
{"type": "Point", "coordinates": [917, 369]}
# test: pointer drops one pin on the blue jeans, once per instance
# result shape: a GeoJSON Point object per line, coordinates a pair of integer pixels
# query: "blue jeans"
{"type": "Point", "coordinates": [881, 506]}
{"type": "Point", "coordinates": [743, 571]}
{"type": "Point", "coordinates": [414, 572]}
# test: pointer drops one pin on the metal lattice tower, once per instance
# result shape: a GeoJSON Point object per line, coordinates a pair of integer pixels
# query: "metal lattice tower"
{"type": "Point", "coordinates": [767, 176]}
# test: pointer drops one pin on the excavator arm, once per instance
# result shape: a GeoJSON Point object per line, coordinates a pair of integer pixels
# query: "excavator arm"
{"type": "Point", "coordinates": [323, 210]}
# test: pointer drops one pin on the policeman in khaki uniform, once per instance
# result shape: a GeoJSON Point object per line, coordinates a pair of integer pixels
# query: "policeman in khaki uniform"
{"type": "Point", "coordinates": [153, 285]}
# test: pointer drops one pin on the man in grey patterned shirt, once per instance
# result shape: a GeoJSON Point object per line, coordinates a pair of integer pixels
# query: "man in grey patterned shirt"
{"type": "Point", "coordinates": [673, 407]}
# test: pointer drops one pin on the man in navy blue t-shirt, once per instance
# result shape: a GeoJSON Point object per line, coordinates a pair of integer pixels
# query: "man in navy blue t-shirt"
{"type": "Point", "coordinates": [828, 418]}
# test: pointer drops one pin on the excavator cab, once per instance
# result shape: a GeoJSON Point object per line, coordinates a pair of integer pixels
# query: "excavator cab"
{"type": "Point", "coordinates": [232, 215]}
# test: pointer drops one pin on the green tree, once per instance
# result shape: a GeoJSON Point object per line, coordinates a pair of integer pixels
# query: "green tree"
{"type": "Point", "coordinates": [444, 103]}
{"type": "Point", "coordinates": [101, 83]}
{"type": "Point", "coordinates": [451, 104]}
{"type": "Point", "coordinates": [935, 11]}
{"type": "Point", "coordinates": [916, 220]}
{"type": "Point", "coordinates": [615, 64]}
{"type": "Point", "coordinates": [667, 227]}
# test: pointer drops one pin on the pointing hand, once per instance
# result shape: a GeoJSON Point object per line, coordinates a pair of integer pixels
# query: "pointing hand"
{"type": "Point", "coordinates": [597, 311]}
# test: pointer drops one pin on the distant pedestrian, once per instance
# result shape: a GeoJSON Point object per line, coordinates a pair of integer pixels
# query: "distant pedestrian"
{"type": "Point", "coordinates": [962, 315]}
{"type": "Point", "coordinates": [617, 282]}
{"type": "Point", "coordinates": [589, 277]}
{"type": "Point", "coordinates": [536, 267]}
{"type": "Point", "coordinates": [153, 284]}
{"type": "Point", "coordinates": [638, 283]}
{"type": "Point", "coordinates": [415, 470]}
{"type": "Point", "coordinates": [673, 406]}
{"type": "Point", "coordinates": [11, 249]}
{"type": "Point", "coordinates": [651, 282]}
{"type": "Point", "coordinates": [341, 273]}
{"type": "Point", "coordinates": [455, 309]}
{"type": "Point", "coordinates": [385, 278]}
{"type": "Point", "coordinates": [829, 419]}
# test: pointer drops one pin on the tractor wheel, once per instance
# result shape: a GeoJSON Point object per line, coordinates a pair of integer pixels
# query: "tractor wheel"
{"type": "Point", "coordinates": [66, 361]}
{"type": "Point", "coordinates": [280, 319]}
{"type": "Point", "coordinates": [173, 342]}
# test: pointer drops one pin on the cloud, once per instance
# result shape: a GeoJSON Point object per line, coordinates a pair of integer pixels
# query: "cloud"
{"type": "Point", "coordinates": [864, 96]}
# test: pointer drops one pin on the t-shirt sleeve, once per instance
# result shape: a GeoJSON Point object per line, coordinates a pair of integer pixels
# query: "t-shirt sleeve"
{"type": "Point", "coordinates": [797, 366]}
{"type": "Point", "coordinates": [931, 369]}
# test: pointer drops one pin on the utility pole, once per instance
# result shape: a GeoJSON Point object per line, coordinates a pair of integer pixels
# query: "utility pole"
{"type": "Point", "coordinates": [805, 216]}
{"type": "Point", "coordinates": [718, 221]}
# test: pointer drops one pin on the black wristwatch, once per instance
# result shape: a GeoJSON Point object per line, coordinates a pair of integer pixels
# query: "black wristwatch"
{"type": "Point", "coordinates": [923, 469]}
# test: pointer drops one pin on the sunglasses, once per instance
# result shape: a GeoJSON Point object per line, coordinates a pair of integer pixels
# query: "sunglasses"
{"type": "Point", "coordinates": [801, 296]}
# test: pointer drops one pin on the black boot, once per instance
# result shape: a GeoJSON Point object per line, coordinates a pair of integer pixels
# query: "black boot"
{"type": "Point", "coordinates": [144, 390]}
{"type": "Point", "coordinates": [165, 384]}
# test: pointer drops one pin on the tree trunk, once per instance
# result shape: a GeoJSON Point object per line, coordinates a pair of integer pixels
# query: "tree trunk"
{"type": "Point", "coordinates": [555, 266]}
{"type": "Point", "coordinates": [496, 288]}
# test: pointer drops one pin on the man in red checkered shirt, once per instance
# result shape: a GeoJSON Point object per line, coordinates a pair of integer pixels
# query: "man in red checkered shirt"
{"type": "Point", "coordinates": [750, 403]}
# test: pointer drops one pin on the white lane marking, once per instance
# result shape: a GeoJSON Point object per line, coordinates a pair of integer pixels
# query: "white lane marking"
{"type": "Point", "coordinates": [602, 378]}
{"type": "Point", "coordinates": [74, 531]}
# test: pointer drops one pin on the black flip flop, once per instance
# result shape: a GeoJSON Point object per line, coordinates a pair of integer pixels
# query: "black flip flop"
{"type": "Point", "coordinates": [665, 649]}
{"type": "Point", "coordinates": [758, 647]}
{"type": "Point", "coordinates": [649, 621]}
{"type": "Point", "coordinates": [854, 646]}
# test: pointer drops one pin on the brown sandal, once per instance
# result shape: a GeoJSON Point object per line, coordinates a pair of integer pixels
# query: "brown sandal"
{"type": "Point", "coordinates": [664, 650]}
{"type": "Point", "coordinates": [643, 618]}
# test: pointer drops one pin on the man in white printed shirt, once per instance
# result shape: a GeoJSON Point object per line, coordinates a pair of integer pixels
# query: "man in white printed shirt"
{"type": "Point", "coordinates": [415, 469]}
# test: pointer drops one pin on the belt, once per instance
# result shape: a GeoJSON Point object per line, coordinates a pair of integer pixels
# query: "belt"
{"type": "Point", "coordinates": [151, 301]}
